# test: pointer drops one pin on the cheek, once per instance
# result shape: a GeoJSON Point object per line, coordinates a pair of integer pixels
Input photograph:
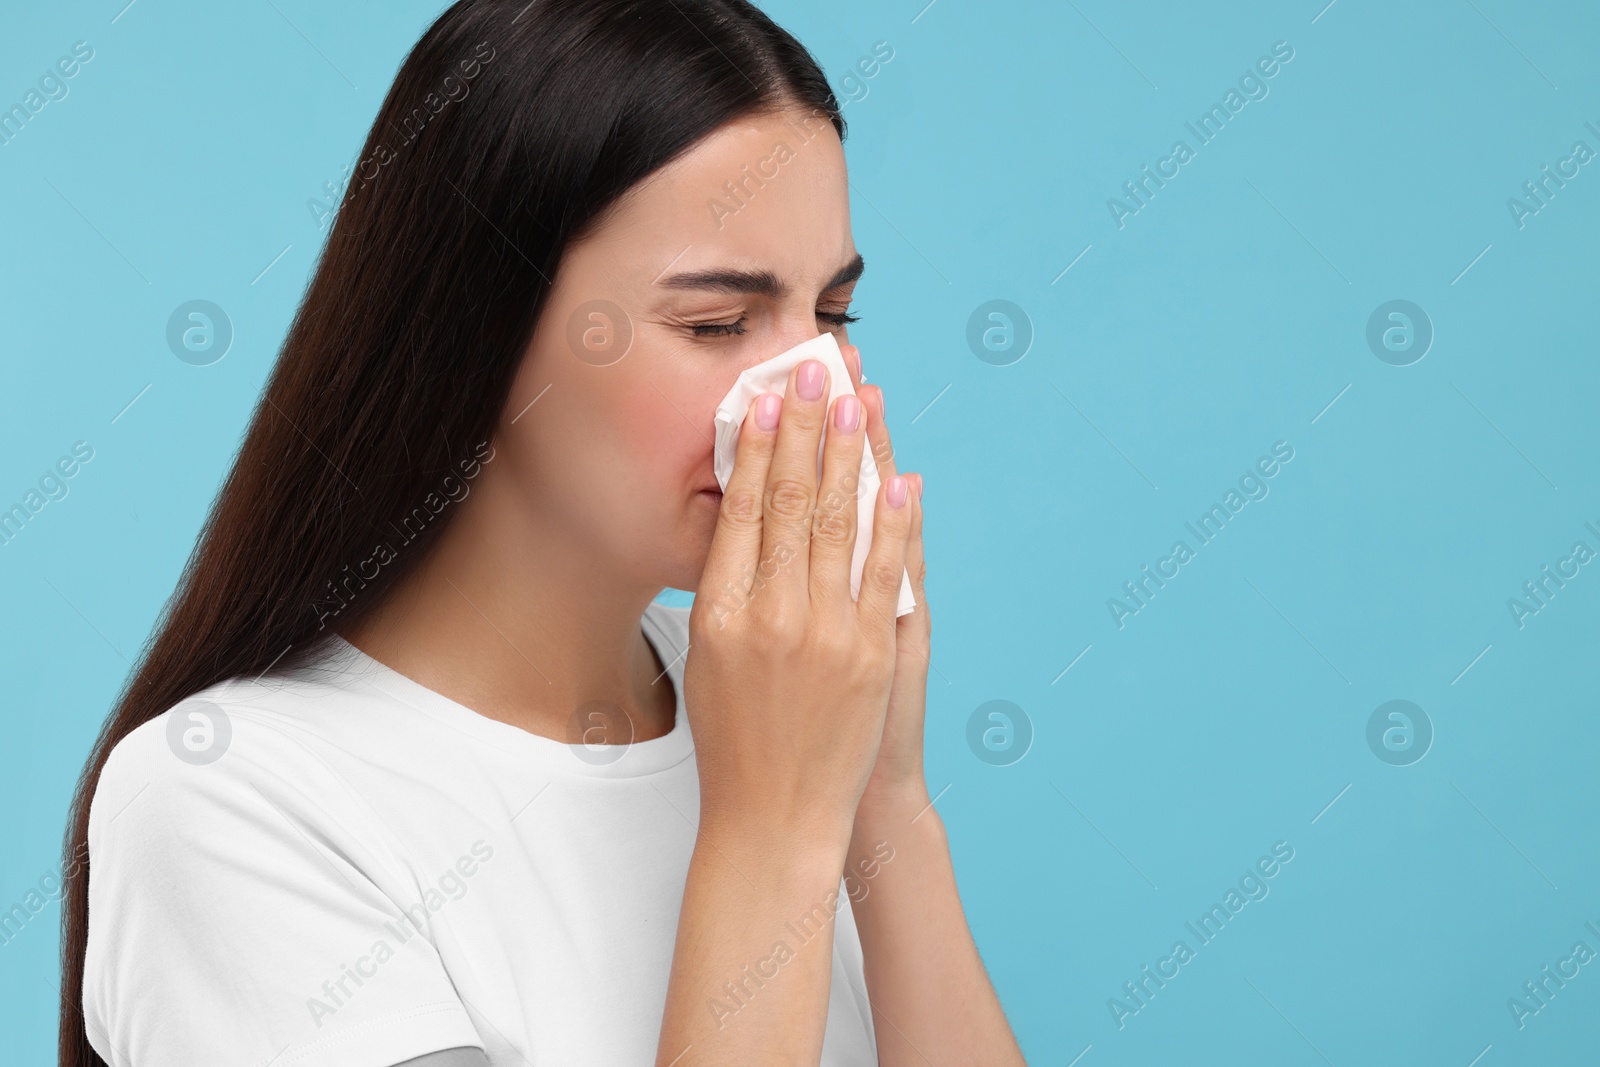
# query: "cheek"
{"type": "Point", "coordinates": [659, 427]}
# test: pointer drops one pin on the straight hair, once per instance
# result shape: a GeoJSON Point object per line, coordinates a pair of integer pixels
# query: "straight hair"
{"type": "Point", "coordinates": [509, 130]}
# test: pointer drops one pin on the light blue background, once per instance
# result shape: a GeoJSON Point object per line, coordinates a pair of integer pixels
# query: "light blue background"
{"type": "Point", "coordinates": [1223, 317]}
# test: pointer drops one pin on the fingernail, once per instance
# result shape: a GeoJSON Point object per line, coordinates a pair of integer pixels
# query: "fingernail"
{"type": "Point", "coordinates": [847, 414]}
{"type": "Point", "coordinates": [767, 408]}
{"type": "Point", "coordinates": [896, 491]}
{"type": "Point", "coordinates": [918, 477]}
{"type": "Point", "coordinates": [883, 411]}
{"type": "Point", "coordinates": [808, 383]}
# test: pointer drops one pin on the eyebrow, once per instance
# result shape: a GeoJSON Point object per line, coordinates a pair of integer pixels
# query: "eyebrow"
{"type": "Point", "coordinates": [757, 282]}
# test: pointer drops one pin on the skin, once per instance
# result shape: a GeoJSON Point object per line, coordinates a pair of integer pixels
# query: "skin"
{"type": "Point", "coordinates": [807, 708]}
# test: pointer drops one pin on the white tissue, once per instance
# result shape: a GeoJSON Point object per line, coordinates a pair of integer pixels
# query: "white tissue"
{"type": "Point", "coordinates": [773, 376]}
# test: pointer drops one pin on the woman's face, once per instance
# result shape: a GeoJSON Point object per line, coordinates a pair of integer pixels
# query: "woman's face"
{"type": "Point", "coordinates": [615, 453]}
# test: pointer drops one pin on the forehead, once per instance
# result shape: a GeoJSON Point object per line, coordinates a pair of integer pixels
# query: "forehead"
{"type": "Point", "coordinates": [762, 191]}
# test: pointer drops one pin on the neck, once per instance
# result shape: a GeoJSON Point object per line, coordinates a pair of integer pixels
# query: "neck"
{"type": "Point", "coordinates": [520, 621]}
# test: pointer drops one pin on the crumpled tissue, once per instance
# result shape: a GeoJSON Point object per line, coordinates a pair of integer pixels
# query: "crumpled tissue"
{"type": "Point", "coordinates": [773, 376]}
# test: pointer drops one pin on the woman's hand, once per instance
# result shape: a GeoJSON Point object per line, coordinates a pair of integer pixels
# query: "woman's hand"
{"type": "Point", "coordinates": [925, 981]}
{"type": "Point", "coordinates": [897, 786]}
{"type": "Point", "coordinates": [786, 687]}
{"type": "Point", "coordinates": [790, 680]}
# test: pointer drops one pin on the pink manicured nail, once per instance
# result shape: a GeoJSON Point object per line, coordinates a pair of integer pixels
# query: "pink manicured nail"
{"type": "Point", "coordinates": [847, 414]}
{"type": "Point", "coordinates": [767, 407]}
{"type": "Point", "coordinates": [853, 353]}
{"type": "Point", "coordinates": [896, 491]}
{"type": "Point", "coordinates": [808, 383]}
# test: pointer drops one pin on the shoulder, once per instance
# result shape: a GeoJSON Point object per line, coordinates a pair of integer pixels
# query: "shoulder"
{"type": "Point", "coordinates": [231, 793]}
{"type": "Point", "coordinates": [223, 834]}
{"type": "Point", "coordinates": [216, 759]}
{"type": "Point", "coordinates": [170, 779]}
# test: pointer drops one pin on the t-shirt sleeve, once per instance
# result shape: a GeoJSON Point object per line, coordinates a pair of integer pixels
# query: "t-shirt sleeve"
{"type": "Point", "coordinates": [238, 915]}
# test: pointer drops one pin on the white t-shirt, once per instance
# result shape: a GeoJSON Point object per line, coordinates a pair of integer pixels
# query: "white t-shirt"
{"type": "Point", "coordinates": [371, 871]}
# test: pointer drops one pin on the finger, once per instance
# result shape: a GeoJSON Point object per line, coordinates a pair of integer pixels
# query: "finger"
{"type": "Point", "coordinates": [878, 433]}
{"type": "Point", "coordinates": [736, 541]}
{"type": "Point", "coordinates": [833, 529]}
{"type": "Point", "coordinates": [879, 596]}
{"type": "Point", "coordinates": [791, 486]}
{"type": "Point", "coordinates": [852, 360]}
{"type": "Point", "coordinates": [916, 567]}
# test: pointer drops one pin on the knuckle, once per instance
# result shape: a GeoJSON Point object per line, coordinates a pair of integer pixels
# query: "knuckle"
{"type": "Point", "coordinates": [770, 564]}
{"type": "Point", "coordinates": [831, 526]}
{"type": "Point", "coordinates": [742, 507]}
{"type": "Point", "coordinates": [789, 499]}
{"type": "Point", "coordinates": [883, 574]}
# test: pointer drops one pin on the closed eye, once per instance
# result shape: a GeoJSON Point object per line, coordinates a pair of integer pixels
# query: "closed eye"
{"type": "Point", "coordinates": [834, 319]}
{"type": "Point", "coordinates": [717, 329]}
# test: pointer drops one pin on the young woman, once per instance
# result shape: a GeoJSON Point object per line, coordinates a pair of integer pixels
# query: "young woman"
{"type": "Point", "coordinates": [406, 773]}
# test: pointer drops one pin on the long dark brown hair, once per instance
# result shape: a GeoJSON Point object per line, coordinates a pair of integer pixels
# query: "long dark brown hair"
{"type": "Point", "coordinates": [510, 128]}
